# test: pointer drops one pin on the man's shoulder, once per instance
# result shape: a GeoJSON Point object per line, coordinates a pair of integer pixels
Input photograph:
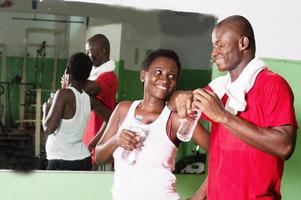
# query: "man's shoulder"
{"type": "Point", "coordinates": [267, 76]}
{"type": "Point", "coordinates": [110, 74]}
{"type": "Point", "coordinates": [107, 77]}
{"type": "Point", "coordinates": [268, 80]}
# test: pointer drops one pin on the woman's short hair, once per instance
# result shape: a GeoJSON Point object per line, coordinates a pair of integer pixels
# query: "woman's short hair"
{"type": "Point", "coordinates": [79, 66]}
{"type": "Point", "coordinates": [167, 53]}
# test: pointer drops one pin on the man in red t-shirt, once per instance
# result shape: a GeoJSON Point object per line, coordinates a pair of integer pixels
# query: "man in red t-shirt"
{"type": "Point", "coordinates": [253, 119]}
{"type": "Point", "coordinates": [104, 84]}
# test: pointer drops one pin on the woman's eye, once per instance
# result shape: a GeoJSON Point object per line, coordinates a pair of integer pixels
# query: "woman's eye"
{"type": "Point", "coordinates": [172, 76]}
{"type": "Point", "coordinates": [158, 72]}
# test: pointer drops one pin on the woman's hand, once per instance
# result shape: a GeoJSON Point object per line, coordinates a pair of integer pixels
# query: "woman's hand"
{"type": "Point", "coordinates": [128, 140]}
{"type": "Point", "coordinates": [181, 101]}
{"type": "Point", "coordinates": [65, 81]}
{"type": "Point", "coordinates": [46, 107]}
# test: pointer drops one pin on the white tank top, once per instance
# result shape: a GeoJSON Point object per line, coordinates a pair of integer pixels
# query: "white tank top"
{"type": "Point", "coordinates": [66, 142]}
{"type": "Point", "coordinates": [150, 178]}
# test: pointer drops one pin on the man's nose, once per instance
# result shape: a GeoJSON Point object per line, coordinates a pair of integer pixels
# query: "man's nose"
{"type": "Point", "coordinates": [214, 53]}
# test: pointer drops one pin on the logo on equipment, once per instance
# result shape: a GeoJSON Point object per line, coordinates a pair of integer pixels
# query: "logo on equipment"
{"type": "Point", "coordinates": [193, 164]}
{"type": "Point", "coordinates": [194, 168]}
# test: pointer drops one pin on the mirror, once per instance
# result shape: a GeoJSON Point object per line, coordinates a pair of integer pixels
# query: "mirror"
{"type": "Point", "coordinates": [36, 39]}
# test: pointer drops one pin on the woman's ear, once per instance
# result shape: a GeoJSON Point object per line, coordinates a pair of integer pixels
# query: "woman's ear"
{"type": "Point", "coordinates": [142, 76]}
{"type": "Point", "coordinates": [244, 43]}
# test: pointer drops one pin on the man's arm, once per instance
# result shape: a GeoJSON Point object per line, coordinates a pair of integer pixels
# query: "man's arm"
{"type": "Point", "coordinates": [279, 141]}
{"type": "Point", "coordinates": [91, 87]}
{"type": "Point", "coordinates": [100, 109]}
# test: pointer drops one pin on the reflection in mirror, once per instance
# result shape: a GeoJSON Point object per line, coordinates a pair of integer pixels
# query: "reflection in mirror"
{"type": "Point", "coordinates": [36, 40]}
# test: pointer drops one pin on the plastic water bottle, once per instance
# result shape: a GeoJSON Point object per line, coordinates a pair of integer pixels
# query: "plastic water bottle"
{"type": "Point", "coordinates": [188, 125]}
{"type": "Point", "coordinates": [51, 97]}
{"type": "Point", "coordinates": [130, 156]}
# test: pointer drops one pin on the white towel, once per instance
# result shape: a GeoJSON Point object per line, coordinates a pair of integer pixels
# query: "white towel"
{"type": "Point", "coordinates": [237, 89]}
{"type": "Point", "coordinates": [105, 67]}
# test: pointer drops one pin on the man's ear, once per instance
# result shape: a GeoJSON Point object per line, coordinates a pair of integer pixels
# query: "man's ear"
{"type": "Point", "coordinates": [244, 43]}
{"type": "Point", "coordinates": [142, 76]}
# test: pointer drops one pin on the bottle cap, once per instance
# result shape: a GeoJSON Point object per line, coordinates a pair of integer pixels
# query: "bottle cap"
{"type": "Point", "coordinates": [139, 118]}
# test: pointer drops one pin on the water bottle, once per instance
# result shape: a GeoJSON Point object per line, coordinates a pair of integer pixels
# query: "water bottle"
{"type": "Point", "coordinates": [130, 156]}
{"type": "Point", "coordinates": [188, 125]}
{"type": "Point", "coordinates": [51, 97]}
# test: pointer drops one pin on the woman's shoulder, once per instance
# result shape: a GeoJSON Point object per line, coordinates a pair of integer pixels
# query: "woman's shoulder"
{"type": "Point", "coordinates": [124, 106]}
{"type": "Point", "coordinates": [65, 94]}
{"type": "Point", "coordinates": [64, 91]}
{"type": "Point", "coordinates": [121, 110]}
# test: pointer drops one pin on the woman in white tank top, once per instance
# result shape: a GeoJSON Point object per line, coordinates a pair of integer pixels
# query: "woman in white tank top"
{"type": "Point", "coordinates": [150, 176]}
{"type": "Point", "coordinates": [65, 118]}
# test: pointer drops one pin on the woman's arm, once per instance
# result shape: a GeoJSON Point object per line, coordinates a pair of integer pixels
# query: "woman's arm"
{"type": "Point", "coordinates": [201, 136]}
{"type": "Point", "coordinates": [180, 101]}
{"type": "Point", "coordinates": [111, 139]}
{"type": "Point", "coordinates": [53, 114]}
{"type": "Point", "coordinates": [201, 194]}
{"type": "Point", "coordinates": [97, 137]}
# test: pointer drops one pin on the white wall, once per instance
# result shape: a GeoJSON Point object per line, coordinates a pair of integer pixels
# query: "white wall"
{"type": "Point", "coordinates": [148, 30]}
{"type": "Point", "coordinates": [77, 35]}
{"type": "Point", "coordinates": [13, 33]}
{"type": "Point", "coordinates": [141, 33]}
{"type": "Point", "coordinates": [276, 23]}
{"type": "Point", "coordinates": [189, 34]}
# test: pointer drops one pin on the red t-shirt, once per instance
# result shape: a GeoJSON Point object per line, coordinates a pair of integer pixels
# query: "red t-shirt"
{"type": "Point", "coordinates": [238, 171]}
{"type": "Point", "coordinates": [108, 88]}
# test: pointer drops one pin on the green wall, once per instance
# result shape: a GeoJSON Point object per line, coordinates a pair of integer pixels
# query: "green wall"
{"type": "Point", "coordinates": [290, 70]}
{"type": "Point", "coordinates": [59, 185]}
{"type": "Point", "coordinates": [35, 68]}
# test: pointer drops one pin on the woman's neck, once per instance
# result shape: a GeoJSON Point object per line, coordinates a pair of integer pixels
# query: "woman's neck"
{"type": "Point", "coordinates": [154, 106]}
{"type": "Point", "coordinates": [149, 111]}
{"type": "Point", "coordinates": [77, 86]}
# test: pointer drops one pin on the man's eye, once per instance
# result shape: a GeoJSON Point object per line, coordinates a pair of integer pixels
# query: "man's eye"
{"type": "Point", "coordinates": [220, 45]}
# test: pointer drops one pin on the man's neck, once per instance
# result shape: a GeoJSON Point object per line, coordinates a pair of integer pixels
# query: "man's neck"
{"type": "Point", "coordinates": [104, 61]}
{"type": "Point", "coordinates": [241, 66]}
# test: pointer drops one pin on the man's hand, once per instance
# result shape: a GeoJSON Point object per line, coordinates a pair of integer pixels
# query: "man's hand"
{"type": "Point", "coordinates": [209, 104]}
